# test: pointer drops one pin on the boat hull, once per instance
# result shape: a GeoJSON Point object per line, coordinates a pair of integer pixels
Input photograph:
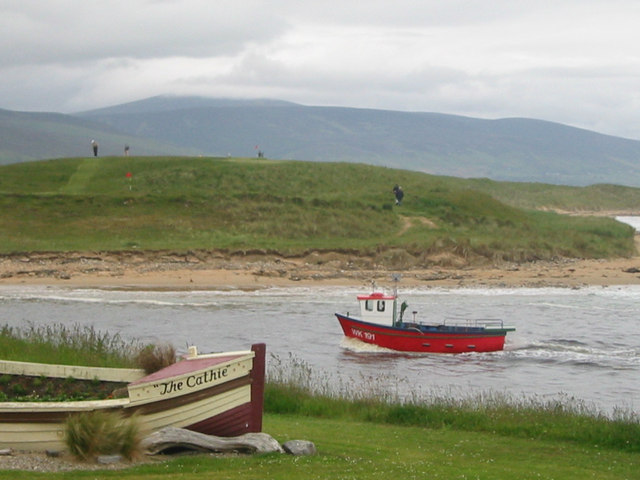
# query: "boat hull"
{"type": "Point", "coordinates": [220, 396]}
{"type": "Point", "coordinates": [450, 340]}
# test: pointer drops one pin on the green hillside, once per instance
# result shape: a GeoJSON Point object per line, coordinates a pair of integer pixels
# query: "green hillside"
{"type": "Point", "coordinates": [599, 198]}
{"type": "Point", "coordinates": [288, 207]}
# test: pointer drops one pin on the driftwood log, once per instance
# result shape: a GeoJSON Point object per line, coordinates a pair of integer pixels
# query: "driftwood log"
{"type": "Point", "coordinates": [179, 439]}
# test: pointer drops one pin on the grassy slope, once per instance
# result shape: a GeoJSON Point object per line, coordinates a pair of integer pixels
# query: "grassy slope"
{"type": "Point", "coordinates": [594, 198]}
{"type": "Point", "coordinates": [291, 207]}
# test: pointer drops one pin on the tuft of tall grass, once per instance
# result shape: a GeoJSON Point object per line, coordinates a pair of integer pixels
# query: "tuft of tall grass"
{"type": "Point", "coordinates": [155, 357]}
{"type": "Point", "coordinates": [89, 434]}
{"type": "Point", "coordinates": [292, 388]}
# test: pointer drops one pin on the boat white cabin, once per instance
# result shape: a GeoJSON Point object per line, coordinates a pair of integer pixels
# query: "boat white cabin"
{"type": "Point", "coordinates": [378, 308]}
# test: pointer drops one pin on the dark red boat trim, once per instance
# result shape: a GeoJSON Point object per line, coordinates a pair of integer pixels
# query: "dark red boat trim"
{"type": "Point", "coordinates": [231, 423]}
{"type": "Point", "coordinates": [43, 417]}
{"type": "Point", "coordinates": [257, 387]}
{"type": "Point", "coordinates": [145, 409]}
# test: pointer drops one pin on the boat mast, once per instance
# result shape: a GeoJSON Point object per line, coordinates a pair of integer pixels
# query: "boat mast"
{"type": "Point", "coordinates": [396, 278]}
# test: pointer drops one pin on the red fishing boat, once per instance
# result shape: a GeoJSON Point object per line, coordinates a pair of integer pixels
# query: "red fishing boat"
{"type": "Point", "coordinates": [381, 323]}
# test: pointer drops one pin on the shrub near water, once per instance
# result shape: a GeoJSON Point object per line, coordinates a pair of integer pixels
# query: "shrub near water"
{"type": "Point", "coordinates": [90, 434]}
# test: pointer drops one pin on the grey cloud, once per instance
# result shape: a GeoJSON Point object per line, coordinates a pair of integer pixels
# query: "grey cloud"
{"type": "Point", "coordinates": [77, 31]}
{"type": "Point", "coordinates": [572, 61]}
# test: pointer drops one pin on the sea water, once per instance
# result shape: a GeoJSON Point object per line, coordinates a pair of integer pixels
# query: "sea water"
{"type": "Point", "coordinates": [577, 345]}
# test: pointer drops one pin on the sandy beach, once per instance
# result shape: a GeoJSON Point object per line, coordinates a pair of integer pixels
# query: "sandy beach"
{"type": "Point", "coordinates": [215, 270]}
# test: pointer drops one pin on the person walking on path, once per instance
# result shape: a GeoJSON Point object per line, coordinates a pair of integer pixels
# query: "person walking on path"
{"type": "Point", "coordinates": [94, 145]}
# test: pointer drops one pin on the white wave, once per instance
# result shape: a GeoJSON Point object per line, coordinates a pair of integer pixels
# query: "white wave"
{"type": "Point", "coordinates": [570, 352]}
{"type": "Point", "coordinates": [614, 291]}
{"type": "Point", "coordinates": [630, 220]}
{"type": "Point", "coordinates": [309, 293]}
{"type": "Point", "coordinates": [516, 343]}
{"type": "Point", "coordinates": [356, 345]}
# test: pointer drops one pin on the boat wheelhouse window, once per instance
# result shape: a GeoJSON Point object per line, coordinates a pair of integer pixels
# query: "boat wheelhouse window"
{"type": "Point", "coordinates": [368, 305]}
{"type": "Point", "coordinates": [381, 305]}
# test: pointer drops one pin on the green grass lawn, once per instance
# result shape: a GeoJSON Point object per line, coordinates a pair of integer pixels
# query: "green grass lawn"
{"type": "Point", "coordinates": [355, 450]}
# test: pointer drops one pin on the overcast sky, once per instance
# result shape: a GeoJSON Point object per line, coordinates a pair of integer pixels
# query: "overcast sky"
{"type": "Point", "coordinates": [570, 61]}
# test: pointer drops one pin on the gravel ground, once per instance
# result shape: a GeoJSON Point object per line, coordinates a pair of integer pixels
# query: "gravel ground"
{"type": "Point", "coordinates": [41, 462]}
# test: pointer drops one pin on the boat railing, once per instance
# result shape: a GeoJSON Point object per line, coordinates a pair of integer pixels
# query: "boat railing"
{"type": "Point", "coordinates": [480, 322]}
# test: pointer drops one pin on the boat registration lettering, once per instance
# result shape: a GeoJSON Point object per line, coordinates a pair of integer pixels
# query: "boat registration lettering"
{"type": "Point", "coordinates": [363, 335]}
{"type": "Point", "coordinates": [193, 380]}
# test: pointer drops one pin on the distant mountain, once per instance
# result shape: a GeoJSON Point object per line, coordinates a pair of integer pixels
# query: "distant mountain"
{"type": "Point", "coordinates": [32, 136]}
{"type": "Point", "coordinates": [170, 103]}
{"type": "Point", "coordinates": [515, 149]}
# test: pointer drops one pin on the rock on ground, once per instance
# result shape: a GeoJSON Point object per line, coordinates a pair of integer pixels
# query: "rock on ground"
{"type": "Point", "coordinates": [299, 447]}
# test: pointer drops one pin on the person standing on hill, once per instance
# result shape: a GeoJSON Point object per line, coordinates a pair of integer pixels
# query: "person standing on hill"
{"type": "Point", "coordinates": [397, 190]}
{"type": "Point", "coordinates": [94, 145]}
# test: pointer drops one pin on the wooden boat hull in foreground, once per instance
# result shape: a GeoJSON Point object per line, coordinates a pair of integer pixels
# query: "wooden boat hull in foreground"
{"type": "Point", "coordinates": [219, 394]}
